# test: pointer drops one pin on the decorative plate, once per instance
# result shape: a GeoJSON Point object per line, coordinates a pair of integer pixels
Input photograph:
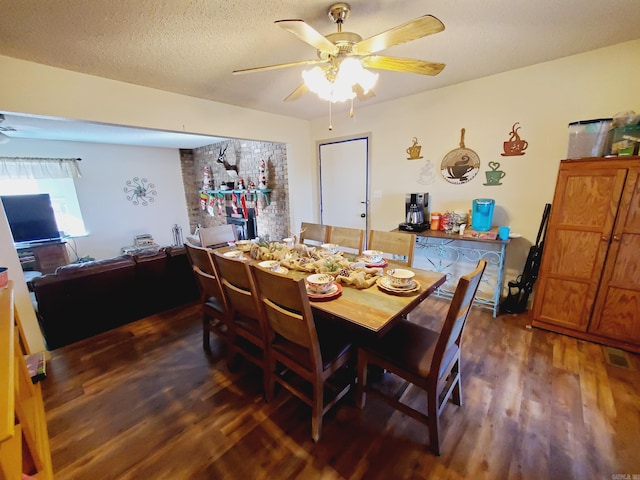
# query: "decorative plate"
{"type": "Point", "coordinates": [334, 291]}
{"type": "Point", "coordinates": [385, 287]}
{"type": "Point", "coordinates": [234, 254]}
{"type": "Point", "coordinates": [380, 264]}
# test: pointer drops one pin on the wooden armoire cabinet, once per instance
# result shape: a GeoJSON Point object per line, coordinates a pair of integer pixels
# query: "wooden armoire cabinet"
{"type": "Point", "coordinates": [589, 280]}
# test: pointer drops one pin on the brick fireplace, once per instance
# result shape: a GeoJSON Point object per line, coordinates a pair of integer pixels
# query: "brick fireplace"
{"type": "Point", "coordinates": [271, 219]}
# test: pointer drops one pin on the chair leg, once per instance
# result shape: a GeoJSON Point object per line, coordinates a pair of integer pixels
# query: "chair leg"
{"type": "Point", "coordinates": [456, 395]}
{"type": "Point", "coordinates": [316, 411]}
{"type": "Point", "coordinates": [269, 374]}
{"type": "Point", "coordinates": [266, 374]}
{"type": "Point", "coordinates": [361, 394]}
{"type": "Point", "coordinates": [233, 351]}
{"type": "Point", "coordinates": [433, 421]}
{"type": "Point", "coordinates": [232, 356]}
{"type": "Point", "coordinates": [206, 344]}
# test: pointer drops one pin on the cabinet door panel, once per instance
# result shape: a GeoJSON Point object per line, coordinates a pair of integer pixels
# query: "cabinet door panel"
{"type": "Point", "coordinates": [620, 316]}
{"type": "Point", "coordinates": [574, 254]}
{"type": "Point", "coordinates": [589, 199]}
{"type": "Point", "coordinates": [583, 212]}
{"type": "Point", "coordinates": [563, 302]}
{"type": "Point", "coordinates": [617, 310]}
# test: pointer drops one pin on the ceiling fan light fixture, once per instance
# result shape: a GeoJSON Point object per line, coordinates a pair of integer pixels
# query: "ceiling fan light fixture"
{"type": "Point", "coordinates": [339, 87]}
{"type": "Point", "coordinates": [367, 80]}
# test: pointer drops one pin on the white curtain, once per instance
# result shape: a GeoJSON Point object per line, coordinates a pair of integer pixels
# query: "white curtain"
{"type": "Point", "coordinates": [37, 168]}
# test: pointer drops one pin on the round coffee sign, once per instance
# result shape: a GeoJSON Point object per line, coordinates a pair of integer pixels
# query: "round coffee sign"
{"type": "Point", "coordinates": [461, 164]}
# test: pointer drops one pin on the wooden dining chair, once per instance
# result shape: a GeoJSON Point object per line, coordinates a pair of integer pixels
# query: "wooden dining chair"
{"type": "Point", "coordinates": [200, 257]}
{"type": "Point", "coordinates": [397, 245]}
{"type": "Point", "coordinates": [428, 359]}
{"type": "Point", "coordinates": [313, 233]}
{"type": "Point", "coordinates": [213, 307]}
{"type": "Point", "coordinates": [217, 236]}
{"type": "Point", "coordinates": [299, 350]}
{"type": "Point", "coordinates": [349, 238]}
{"type": "Point", "coordinates": [247, 334]}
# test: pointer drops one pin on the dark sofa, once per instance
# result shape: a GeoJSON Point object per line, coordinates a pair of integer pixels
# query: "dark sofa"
{"type": "Point", "coordinates": [84, 299]}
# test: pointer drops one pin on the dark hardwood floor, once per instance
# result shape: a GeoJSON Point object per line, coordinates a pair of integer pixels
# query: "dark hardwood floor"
{"type": "Point", "coordinates": [145, 402]}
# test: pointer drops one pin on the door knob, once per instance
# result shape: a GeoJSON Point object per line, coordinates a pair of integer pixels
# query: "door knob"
{"type": "Point", "coordinates": [362, 215]}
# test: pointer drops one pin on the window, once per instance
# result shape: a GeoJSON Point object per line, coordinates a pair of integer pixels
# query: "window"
{"type": "Point", "coordinates": [64, 200]}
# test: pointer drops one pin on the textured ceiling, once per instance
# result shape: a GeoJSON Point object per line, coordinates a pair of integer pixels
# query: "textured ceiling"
{"type": "Point", "coordinates": [192, 46]}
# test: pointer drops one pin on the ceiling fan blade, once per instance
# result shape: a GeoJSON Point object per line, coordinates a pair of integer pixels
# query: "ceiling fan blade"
{"type": "Point", "coordinates": [297, 93]}
{"type": "Point", "coordinates": [406, 65]}
{"type": "Point", "coordinates": [417, 28]}
{"type": "Point", "coordinates": [275, 67]}
{"type": "Point", "coordinates": [308, 35]}
{"type": "Point", "coordinates": [357, 89]}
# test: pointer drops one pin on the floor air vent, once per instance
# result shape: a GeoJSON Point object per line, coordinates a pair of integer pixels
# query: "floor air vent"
{"type": "Point", "coordinates": [617, 358]}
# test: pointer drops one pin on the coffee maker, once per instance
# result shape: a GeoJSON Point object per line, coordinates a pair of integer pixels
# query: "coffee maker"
{"type": "Point", "coordinates": [416, 212]}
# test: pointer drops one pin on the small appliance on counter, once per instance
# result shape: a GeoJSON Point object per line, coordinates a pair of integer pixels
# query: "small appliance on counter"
{"type": "Point", "coordinates": [416, 212]}
{"type": "Point", "coordinates": [482, 214]}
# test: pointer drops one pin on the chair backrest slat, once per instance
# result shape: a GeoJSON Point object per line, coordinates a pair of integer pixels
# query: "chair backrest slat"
{"type": "Point", "coordinates": [351, 238]}
{"type": "Point", "coordinates": [458, 312]}
{"type": "Point", "coordinates": [217, 236]}
{"type": "Point", "coordinates": [209, 284]}
{"type": "Point", "coordinates": [238, 286]}
{"type": "Point", "coordinates": [313, 233]}
{"type": "Point", "coordinates": [200, 257]}
{"type": "Point", "coordinates": [399, 244]}
{"type": "Point", "coordinates": [286, 308]}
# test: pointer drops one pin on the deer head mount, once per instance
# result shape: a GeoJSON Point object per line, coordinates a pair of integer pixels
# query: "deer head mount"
{"type": "Point", "coordinates": [222, 160]}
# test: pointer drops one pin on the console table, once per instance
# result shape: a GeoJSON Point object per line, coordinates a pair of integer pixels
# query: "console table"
{"type": "Point", "coordinates": [455, 255]}
{"type": "Point", "coordinates": [44, 258]}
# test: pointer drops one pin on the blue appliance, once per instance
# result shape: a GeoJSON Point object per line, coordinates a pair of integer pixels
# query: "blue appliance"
{"type": "Point", "coordinates": [482, 214]}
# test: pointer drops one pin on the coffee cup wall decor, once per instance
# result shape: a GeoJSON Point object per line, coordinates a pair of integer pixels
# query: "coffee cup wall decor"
{"type": "Point", "coordinates": [414, 150]}
{"type": "Point", "coordinates": [494, 175]}
{"type": "Point", "coordinates": [515, 145]}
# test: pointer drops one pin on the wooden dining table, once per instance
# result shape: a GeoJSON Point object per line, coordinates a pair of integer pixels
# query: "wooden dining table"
{"type": "Point", "coordinates": [373, 309]}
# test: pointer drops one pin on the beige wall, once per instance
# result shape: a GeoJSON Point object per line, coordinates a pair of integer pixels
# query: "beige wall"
{"type": "Point", "coordinates": [110, 219]}
{"type": "Point", "coordinates": [544, 98]}
{"type": "Point", "coordinates": [41, 90]}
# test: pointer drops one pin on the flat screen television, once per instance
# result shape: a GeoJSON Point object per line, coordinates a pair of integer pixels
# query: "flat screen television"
{"type": "Point", "coordinates": [31, 218]}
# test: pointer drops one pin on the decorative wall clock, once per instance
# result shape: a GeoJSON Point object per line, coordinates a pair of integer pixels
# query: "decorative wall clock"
{"type": "Point", "coordinates": [141, 190]}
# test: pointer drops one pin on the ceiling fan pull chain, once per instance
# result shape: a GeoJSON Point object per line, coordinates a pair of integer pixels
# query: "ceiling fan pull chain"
{"type": "Point", "coordinates": [351, 109]}
{"type": "Point", "coordinates": [330, 122]}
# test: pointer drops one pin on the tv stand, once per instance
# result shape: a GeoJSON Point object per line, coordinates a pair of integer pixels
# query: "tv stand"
{"type": "Point", "coordinates": [44, 257]}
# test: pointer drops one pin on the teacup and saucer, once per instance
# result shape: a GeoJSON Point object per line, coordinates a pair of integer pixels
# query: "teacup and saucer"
{"type": "Point", "coordinates": [330, 247]}
{"type": "Point", "coordinates": [400, 278]}
{"type": "Point", "coordinates": [319, 283]}
{"type": "Point", "coordinates": [372, 256]}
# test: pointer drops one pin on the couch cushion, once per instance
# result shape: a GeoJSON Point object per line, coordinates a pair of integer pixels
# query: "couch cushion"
{"type": "Point", "coordinates": [89, 268]}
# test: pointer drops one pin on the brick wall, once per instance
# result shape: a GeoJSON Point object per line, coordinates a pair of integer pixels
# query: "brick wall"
{"type": "Point", "coordinates": [273, 219]}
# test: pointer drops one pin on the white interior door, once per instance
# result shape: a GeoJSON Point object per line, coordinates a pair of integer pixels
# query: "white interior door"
{"type": "Point", "coordinates": [344, 180]}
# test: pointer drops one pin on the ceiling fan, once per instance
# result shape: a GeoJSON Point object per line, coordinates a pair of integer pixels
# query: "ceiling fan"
{"type": "Point", "coordinates": [338, 49]}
